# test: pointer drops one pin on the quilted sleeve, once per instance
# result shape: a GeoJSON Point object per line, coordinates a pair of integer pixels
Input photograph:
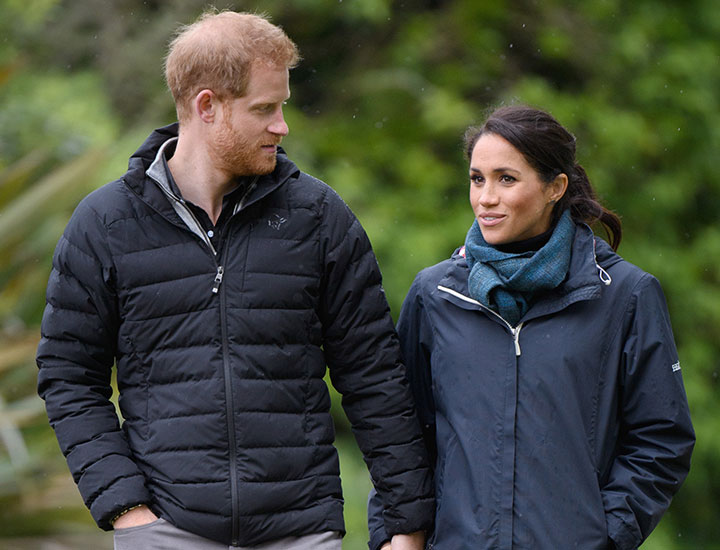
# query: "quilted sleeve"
{"type": "Point", "coordinates": [415, 342]}
{"type": "Point", "coordinates": [75, 358]}
{"type": "Point", "coordinates": [363, 357]}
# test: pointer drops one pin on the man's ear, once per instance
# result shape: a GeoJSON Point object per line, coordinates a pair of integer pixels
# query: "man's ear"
{"type": "Point", "coordinates": [558, 187]}
{"type": "Point", "coordinates": [206, 105]}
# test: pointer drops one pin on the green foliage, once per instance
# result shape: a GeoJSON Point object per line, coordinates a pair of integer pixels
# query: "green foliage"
{"type": "Point", "coordinates": [61, 113]}
{"type": "Point", "coordinates": [379, 106]}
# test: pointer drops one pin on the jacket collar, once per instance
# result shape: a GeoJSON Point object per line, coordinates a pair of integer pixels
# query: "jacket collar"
{"type": "Point", "coordinates": [146, 177]}
{"type": "Point", "coordinates": [587, 276]}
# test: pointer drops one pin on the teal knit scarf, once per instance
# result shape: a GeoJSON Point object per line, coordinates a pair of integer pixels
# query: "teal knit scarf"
{"type": "Point", "coordinates": [506, 282]}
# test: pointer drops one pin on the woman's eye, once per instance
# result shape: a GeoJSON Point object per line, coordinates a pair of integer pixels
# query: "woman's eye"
{"type": "Point", "coordinates": [507, 179]}
{"type": "Point", "coordinates": [476, 179]}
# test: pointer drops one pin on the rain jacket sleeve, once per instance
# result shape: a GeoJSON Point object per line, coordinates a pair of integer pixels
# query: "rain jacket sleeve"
{"type": "Point", "coordinates": [75, 358]}
{"type": "Point", "coordinates": [656, 436]}
{"type": "Point", "coordinates": [363, 357]}
{"type": "Point", "coordinates": [415, 341]}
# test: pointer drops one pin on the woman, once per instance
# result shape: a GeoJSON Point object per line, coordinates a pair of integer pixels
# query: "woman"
{"type": "Point", "coordinates": [543, 364]}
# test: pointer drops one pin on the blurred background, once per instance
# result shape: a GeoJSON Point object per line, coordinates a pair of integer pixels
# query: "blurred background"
{"type": "Point", "coordinates": [379, 105]}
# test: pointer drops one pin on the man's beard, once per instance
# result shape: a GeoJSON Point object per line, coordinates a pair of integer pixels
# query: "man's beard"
{"type": "Point", "coordinates": [241, 157]}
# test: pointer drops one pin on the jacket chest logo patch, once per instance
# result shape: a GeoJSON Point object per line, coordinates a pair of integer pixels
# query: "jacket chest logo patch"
{"type": "Point", "coordinates": [676, 367]}
{"type": "Point", "coordinates": [276, 221]}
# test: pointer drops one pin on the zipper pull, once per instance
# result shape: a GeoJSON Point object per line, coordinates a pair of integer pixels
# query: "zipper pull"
{"type": "Point", "coordinates": [218, 279]}
{"type": "Point", "coordinates": [516, 338]}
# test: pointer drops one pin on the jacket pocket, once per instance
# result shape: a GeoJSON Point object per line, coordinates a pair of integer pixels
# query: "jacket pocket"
{"type": "Point", "coordinates": [138, 528]}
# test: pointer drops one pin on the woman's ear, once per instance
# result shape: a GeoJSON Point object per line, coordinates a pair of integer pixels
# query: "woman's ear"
{"type": "Point", "coordinates": [557, 187]}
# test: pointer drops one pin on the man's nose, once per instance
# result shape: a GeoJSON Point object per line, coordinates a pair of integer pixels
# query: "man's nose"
{"type": "Point", "coordinates": [278, 126]}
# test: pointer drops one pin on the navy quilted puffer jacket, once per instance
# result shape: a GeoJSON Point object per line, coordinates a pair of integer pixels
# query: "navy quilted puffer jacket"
{"type": "Point", "coordinates": [220, 359]}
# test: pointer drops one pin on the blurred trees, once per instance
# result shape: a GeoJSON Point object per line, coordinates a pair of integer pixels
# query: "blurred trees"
{"type": "Point", "coordinates": [379, 106]}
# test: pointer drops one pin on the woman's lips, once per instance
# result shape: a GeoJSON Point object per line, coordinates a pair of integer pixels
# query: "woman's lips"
{"type": "Point", "coordinates": [488, 220]}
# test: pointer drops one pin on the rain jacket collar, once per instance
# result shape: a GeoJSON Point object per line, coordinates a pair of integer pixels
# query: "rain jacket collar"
{"type": "Point", "coordinates": [586, 278]}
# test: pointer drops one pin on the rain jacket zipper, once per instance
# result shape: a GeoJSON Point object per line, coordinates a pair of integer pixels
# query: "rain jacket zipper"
{"type": "Point", "coordinates": [514, 331]}
{"type": "Point", "coordinates": [509, 422]}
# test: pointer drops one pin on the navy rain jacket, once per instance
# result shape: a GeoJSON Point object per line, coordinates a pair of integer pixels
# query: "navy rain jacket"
{"type": "Point", "coordinates": [563, 432]}
{"type": "Point", "coordinates": [221, 356]}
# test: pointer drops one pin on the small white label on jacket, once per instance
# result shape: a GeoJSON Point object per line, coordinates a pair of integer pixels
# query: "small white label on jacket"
{"type": "Point", "coordinates": [676, 367]}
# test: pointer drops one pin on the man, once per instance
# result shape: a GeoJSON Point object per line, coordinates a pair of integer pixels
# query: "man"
{"type": "Point", "coordinates": [221, 280]}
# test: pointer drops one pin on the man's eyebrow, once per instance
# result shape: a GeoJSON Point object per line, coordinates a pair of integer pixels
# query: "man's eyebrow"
{"type": "Point", "coordinates": [263, 102]}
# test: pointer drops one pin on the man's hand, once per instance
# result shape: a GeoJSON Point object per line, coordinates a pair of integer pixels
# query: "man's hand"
{"type": "Point", "coordinates": [413, 541]}
{"type": "Point", "coordinates": [141, 515]}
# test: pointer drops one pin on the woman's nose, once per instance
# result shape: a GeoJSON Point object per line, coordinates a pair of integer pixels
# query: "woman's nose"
{"type": "Point", "coordinates": [488, 194]}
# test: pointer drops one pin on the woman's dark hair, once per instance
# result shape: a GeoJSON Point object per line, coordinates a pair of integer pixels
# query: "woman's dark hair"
{"type": "Point", "coordinates": [550, 149]}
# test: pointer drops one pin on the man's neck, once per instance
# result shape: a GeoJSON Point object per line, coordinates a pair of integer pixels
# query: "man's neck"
{"type": "Point", "coordinates": [198, 180]}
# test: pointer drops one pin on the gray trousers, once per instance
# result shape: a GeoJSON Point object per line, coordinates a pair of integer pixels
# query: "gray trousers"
{"type": "Point", "coordinates": [162, 535]}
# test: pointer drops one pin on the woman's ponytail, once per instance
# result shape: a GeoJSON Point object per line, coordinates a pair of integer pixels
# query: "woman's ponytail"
{"type": "Point", "coordinates": [585, 207]}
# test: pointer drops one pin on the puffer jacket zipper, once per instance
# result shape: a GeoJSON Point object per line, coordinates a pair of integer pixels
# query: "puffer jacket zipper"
{"type": "Point", "coordinates": [217, 289]}
{"type": "Point", "coordinates": [195, 227]}
{"type": "Point", "coordinates": [227, 370]}
{"type": "Point", "coordinates": [229, 398]}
